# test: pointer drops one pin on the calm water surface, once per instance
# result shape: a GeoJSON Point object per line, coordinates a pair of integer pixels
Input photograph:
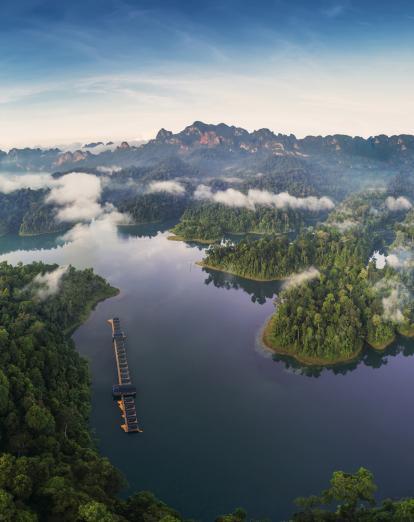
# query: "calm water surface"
{"type": "Point", "coordinates": [225, 424]}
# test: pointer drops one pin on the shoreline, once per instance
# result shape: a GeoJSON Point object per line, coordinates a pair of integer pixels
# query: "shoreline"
{"type": "Point", "coordinates": [37, 234]}
{"type": "Point", "coordinates": [143, 223]}
{"type": "Point", "coordinates": [175, 237]}
{"type": "Point", "coordinates": [306, 361]}
{"type": "Point", "coordinates": [313, 361]}
{"type": "Point", "coordinates": [408, 332]}
{"type": "Point", "coordinates": [89, 308]}
{"type": "Point", "coordinates": [383, 346]}
{"type": "Point", "coordinates": [275, 279]}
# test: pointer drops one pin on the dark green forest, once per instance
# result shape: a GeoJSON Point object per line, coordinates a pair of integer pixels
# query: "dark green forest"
{"type": "Point", "coordinates": [49, 467]}
{"type": "Point", "coordinates": [273, 258]}
{"type": "Point", "coordinates": [153, 208]}
{"type": "Point", "coordinates": [210, 222]}
{"type": "Point", "coordinates": [24, 212]}
{"type": "Point", "coordinates": [328, 317]}
{"type": "Point", "coordinates": [351, 497]}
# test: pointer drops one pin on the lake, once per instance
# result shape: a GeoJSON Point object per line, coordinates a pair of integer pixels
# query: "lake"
{"type": "Point", "coordinates": [225, 424]}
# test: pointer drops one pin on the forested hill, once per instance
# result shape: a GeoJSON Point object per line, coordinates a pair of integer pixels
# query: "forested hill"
{"type": "Point", "coordinates": [49, 467]}
{"type": "Point", "coordinates": [334, 299]}
{"type": "Point", "coordinates": [273, 258]}
{"type": "Point", "coordinates": [210, 222]}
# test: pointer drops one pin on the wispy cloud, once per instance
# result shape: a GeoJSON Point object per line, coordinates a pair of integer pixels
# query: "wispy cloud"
{"type": "Point", "coordinates": [334, 10]}
{"type": "Point", "coordinates": [171, 187]}
{"type": "Point", "coordinates": [302, 277]}
{"type": "Point", "coordinates": [253, 198]}
{"type": "Point", "coordinates": [48, 284]}
{"type": "Point", "coordinates": [397, 204]}
{"type": "Point", "coordinates": [77, 198]}
{"type": "Point", "coordinates": [113, 66]}
{"type": "Point", "coordinates": [10, 182]}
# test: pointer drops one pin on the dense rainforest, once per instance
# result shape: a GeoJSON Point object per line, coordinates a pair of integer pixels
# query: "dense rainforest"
{"type": "Point", "coordinates": [49, 467]}
{"type": "Point", "coordinates": [210, 222]}
{"type": "Point", "coordinates": [404, 237]}
{"type": "Point", "coordinates": [25, 212]}
{"type": "Point", "coordinates": [153, 208]}
{"type": "Point", "coordinates": [327, 319]}
{"type": "Point", "coordinates": [351, 498]}
{"type": "Point", "coordinates": [278, 257]}
{"type": "Point", "coordinates": [334, 299]}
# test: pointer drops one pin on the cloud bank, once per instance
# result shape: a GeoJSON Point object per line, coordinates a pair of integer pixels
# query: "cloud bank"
{"type": "Point", "coordinates": [379, 259]}
{"type": "Point", "coordinates": [391, 305]}
{"type": "Point", "coordinates": [172, 187]}
{"type": "Point", "coordinates": [394, 303]}
{"type": "Point", "coordinates": [254, 197]}
{"type": "Point", "coordinates": [108, 170]}
{"type": "Point", "coordinates": [343, 226]}
{"type": "Point", "coordinates": [77, 196]}
{"type": "Point", "coordinates": [302, 277]}
{"type": "Point", "coordinates": [397, 204]}
{"type": "Point", "coordinates": [48, 284]}
{"type": "Point", "coordinates": [10, 183]}
{"type": "Point", "coordinates": [399, 258]}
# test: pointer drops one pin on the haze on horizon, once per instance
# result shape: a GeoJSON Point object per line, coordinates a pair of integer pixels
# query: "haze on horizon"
{"type": "Point", "coordinates": [122, 69]}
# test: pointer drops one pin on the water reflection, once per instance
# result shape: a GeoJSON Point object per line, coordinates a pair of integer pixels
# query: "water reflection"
{"type": "Point", "coordinates": [236, 238]}
{"type": "Point", "coordinates": [13, 242]}
{"type": "Point", "coordinates": [260, 292]}
{"type": "Point", "coordinates": [201, 382]}
{"type": "Point", "coordinates": [149, 230]}
{"type": "Point", "coordinates": [374, 359]}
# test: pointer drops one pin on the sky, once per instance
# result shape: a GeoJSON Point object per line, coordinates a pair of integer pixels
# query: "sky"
{"type": "Point", "coordinates": [91, 70]}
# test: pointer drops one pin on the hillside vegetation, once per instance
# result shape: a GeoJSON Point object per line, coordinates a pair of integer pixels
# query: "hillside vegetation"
{"type": "Point", "coordinates": [49, 467]}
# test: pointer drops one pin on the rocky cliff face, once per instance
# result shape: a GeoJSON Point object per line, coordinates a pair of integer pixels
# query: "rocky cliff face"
{"type": "Point", "coordinates": [201, 135]}
{"type": "Point", "coordinates": [71, 158]}
{"type": "Point", "coordinates": [212, 142]}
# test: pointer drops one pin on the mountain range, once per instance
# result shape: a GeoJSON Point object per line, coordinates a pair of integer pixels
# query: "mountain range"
{"type": "Point", "coordinates": [207, 147]}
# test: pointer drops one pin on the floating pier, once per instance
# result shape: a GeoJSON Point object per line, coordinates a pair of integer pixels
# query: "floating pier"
{"type": "Point", "coordinates": [124, 391]}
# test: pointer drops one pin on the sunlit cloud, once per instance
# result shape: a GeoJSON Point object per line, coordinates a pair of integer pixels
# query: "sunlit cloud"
{"type": "Point", "coordinates": [171, 187]}
{"type": "Point", "coordinates": [11, 182]}
{"type": "Point", "coordinates": [397, 204]}
{"type": "Point", "coordinates": [48, 284]}
{"type": "Point", "coordinates": [76, 197]}
{"type": "Point", "coordinates": [254, 197]}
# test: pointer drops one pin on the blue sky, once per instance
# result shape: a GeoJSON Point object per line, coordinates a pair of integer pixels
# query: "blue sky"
{"type": "Point", "coordinates": [107, 69]}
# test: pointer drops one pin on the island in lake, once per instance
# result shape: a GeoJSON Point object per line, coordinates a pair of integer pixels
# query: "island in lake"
{"type": "Point", "coordinates": [336, 298]}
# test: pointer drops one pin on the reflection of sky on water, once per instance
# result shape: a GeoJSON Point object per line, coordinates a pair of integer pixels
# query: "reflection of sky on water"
{"type": "Point", "coordinates": [222, 421]}
{"type": "Point", "coordinates": [108, 249]}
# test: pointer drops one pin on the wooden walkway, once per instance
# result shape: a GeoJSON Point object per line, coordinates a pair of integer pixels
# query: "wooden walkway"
{"type": "Point", "coordinates": [124, 390]}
